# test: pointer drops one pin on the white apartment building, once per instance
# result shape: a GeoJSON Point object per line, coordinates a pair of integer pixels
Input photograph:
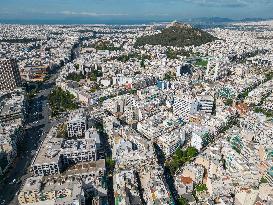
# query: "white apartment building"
{"type": "Point", "coordinates": [77, 124]}
{"type": "Point", "coordinates": [121, 80]}
{"type": "Point", "coordinates": [56, 153]}
{"type": "Point", "coordinates": [10, 136]}
{"type": "Point", "coordinates": [217, 69]}
{"type": "Point", "coordinates": [12, 106]}
{"type": "Point", "coordinates": [80, 150]}
{"type": "Point", "coordinates": [47, 161]}
{"type": "Point", "coordinates": [38, 191]}
{"type": "Point", "coordinates": [184, 105]}
{"type": "Point", "coordinates": [196, 141]}
{"type": "Point", "coordinates": [169, 142]}
{"type": "Point", "coordinates": [206, 103]}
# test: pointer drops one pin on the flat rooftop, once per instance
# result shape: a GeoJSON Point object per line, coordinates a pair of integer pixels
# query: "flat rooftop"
{"type": "Point", "coordinates": [49, 150]}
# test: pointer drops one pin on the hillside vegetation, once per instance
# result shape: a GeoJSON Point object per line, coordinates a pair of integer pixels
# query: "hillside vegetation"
{"type": "Point", "coordinates": [179, 35]}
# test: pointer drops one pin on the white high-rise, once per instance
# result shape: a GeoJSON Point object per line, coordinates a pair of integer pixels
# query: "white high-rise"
{"type": "Point", "coordinates": [77, 125]}
{"type": "Point", "coordinates": [183, 106]}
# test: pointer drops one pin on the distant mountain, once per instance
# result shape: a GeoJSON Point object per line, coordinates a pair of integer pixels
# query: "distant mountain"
{"type": "Point", "coordinates": [177, 34]}
{"type": "Point", "coordinates": [211, 20]}
{"type": "Point", "coordinates": [252, 19]}
{"type": "Point", "coordinates": [218, 21]}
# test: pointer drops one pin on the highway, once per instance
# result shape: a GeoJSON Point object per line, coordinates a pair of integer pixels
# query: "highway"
{"type": "Point", "coordinates": [38, 124]}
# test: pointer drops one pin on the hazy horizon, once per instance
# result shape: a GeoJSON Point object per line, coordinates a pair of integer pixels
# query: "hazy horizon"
{"type": "Point", "coordinates": [82, 21]}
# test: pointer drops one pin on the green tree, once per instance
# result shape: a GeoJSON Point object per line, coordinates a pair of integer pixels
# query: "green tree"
{"type": "Point", "coordinates": [191, 152]}
{"type": "Point", "coordinates": [207, 139]}
{"type": "Point", "coordinates": [269, 76]}
{"type": "Point", "coordinates": [169, 76]}
{"type": "Point", "coordinates": [263, 180]}
{"type": "Point", "coordinates": [201, 63]}
{"type": "Point", "coordinates": [105, 45]}
{"type": "Point", "coordinates": [142, 63]}
{"type": "Point", "coordinates": [93, 77]}
{"type": "Point", "coordinates": [228, 102]}
{"type": "Point", "coordinates": [267, 113]}
{"type": "Point", "coordinates": [201, 187]}
{"type": "Point", "coordinates": [110, 163]}
{"type": "Point", "coordinates": [182, 201]}
{"type": "Point", "coordinates": [180, 157]}
{"type": "Point", "coordinates": [101, 99]}
{"type": "Point", "coordinates": [62, 131]}
{"type": "Point", "coordinates": [75, 77]}
{"type": "Point", "coordinates": [94, 89]}
{"type": "Point", "coordinates": [61, 101]}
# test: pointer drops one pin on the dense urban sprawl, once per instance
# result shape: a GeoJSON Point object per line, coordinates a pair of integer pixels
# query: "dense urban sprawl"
{"type": "Point", "coordinates": [94, 114]}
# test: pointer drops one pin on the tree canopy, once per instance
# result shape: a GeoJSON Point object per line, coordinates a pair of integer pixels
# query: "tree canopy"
{"type": "Point", "coordinates": [61, 101]}
{"type": "Point", "coordinates": [180, 157]}
{"type": "Point", "coordinates": [177, 36]}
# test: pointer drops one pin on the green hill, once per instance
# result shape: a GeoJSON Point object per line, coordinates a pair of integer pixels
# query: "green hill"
{"type": "Point", "coordinates": [177, 34]}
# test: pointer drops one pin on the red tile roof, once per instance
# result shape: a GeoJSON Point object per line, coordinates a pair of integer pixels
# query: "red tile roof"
{"type": "Point", "coordinates": [186, 180]}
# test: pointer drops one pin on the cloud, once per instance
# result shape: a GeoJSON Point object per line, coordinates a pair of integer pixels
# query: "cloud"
{"type": "Point", "coordinates": [228, 3]}
{"type": "Point", "coordinates": [90, 14]}
{"type": "Point", "coordinates": [66, 13]}
{"type": "Point", "coordinates": [219, 3]}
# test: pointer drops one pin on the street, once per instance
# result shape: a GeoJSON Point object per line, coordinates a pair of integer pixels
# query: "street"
{"type": "Point", "coordinates": [37, 125]}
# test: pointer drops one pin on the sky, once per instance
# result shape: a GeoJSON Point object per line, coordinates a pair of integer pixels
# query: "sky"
{"type": "Point", "coordinates": [153, 10]}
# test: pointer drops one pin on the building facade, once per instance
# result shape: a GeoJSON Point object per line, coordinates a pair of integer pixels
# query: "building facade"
{"type": "Point", "coordinates": [9, 75]}
{"type": "Point", "coordinates": [77, 124]}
